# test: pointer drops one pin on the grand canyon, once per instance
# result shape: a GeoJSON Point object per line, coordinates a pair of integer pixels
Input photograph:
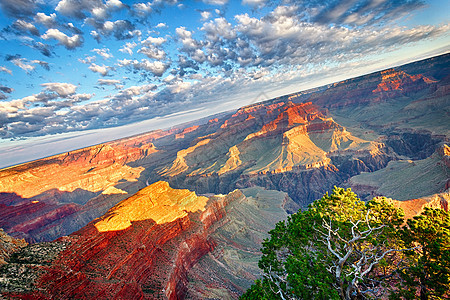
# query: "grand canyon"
{"type": "Point", "coordinates": [181, 213]}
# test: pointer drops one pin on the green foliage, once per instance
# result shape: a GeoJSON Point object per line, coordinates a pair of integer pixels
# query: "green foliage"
{"type": "Point", "coordinates": [339, 248]}
{"type": "Point", "coordinates": [427, 272]}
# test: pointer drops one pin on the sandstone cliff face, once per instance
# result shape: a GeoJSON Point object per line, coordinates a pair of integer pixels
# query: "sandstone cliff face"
{"type": "Point", "coordinates": [146, 246]}
{"type": "Point", "coordinates": [414, 207]}
{"type": "Point", "coordinates": [35, 195]}
{"type": "Point", "coordinates": [260, 141]}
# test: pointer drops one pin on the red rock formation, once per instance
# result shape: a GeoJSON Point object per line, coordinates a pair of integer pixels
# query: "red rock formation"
{"type": "Point", "coordinates": [414, 207]}
{"type": "Point", "coordinates": [36, 194]}
{"type": "Point", "coordinates": [147, 259]}
{"type": "Point", "coordinates": [186, 130]}
{"type": "Point", "coordinates": [372, 88]}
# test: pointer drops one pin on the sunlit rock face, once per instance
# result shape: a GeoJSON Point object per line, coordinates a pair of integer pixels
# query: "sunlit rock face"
{"type": "Point", "coordinates": [35, 197]}
{"type": "Point", "coordinates": [146, 246]}
{"type": "Point", "coordinates": [261, 143]}
{"type": "Point", "coordinates": [157, 202]}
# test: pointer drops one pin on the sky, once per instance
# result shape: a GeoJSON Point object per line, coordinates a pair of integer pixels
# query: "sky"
{"type": "Point", "coordinates": [79, 72]}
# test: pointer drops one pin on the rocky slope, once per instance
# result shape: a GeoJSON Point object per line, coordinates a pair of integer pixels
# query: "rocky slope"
{"type": "Point", "coordinates": [9, 245]}
{"type": "Point", "coordinates": [146, 246]}
{"type": "Point", "coordinates": [35, 197]}
{"type": "Point", "coordinates": [402, 178]}
{"type": "Point", "coordinates": [264, 144]}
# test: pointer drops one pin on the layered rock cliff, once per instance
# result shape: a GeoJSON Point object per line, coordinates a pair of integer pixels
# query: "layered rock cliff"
{"type": "Point", "coordinates": [258, 142]}
{"type": "Point", "coordinates": [146, 246]}
{"type": "Point", "coordinates": [36, 196]}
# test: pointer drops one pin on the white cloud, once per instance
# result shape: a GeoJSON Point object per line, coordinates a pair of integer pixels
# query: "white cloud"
{"type": "Point", "coordinates": [69, 42]}
{"type": "Point", "coordinates": [23, 65]}
{"type": "Point", "coordinates": [142, 9]}
{"type": "Point", "coordinates": [158, 41]}
{"type": "Point", "coordinates": [62, 89]}
{"type": "Point", "coordinates": [161, 25]}
{"type": "Point", "coordinates": [157, 68]}
{"type": "Point", "coordinates": [153, 52]}
{"type": "Point", "coordinates": [6, 70]}
{"type": "Point", "coordinates": [87, 60]}
{"type": "Point", "coordinates": [27, 65]}
{"type": "Point", "coordinates": [104, 52]}
{"type": "Point", "coordinates": [216, 2]}
{"type": "Point", "coordinates": [96, 8]}
{"type": "Point", "coordinates": [185, 36]}
{"type": "Point", "coordinates": [48, 21]}
{"type": "Point", "coordinates": [102, 70]}
{"type": "Point", "coordinates": [205, 15]}
{"type": "Point", "coordinates": [120, 29]}
{"type": "Point", "coordinates": [128, 48]}
{"type": "Point", "coordinates": [114, 82]}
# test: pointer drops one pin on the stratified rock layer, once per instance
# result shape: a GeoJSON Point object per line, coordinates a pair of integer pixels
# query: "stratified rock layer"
{"type": "Point", "coordinates": [145, 246]}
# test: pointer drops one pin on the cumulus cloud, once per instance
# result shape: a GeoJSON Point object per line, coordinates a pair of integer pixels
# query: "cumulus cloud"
{"type": "Point", "coordinates": [102, 70]}
{"type": "Point", "coordinates": [161, 25]}
{"type": "Point", "coordinates": [47, 21]}
{"type": "Point", "coordinates": [104, 52]}
{"type": "Point", "coordinates": [42, 113]}
{"type": "Point", "coordinates": [128, 48]}
{"type": "Point", "coordinates": [120, 29]}
{"type": "Point", "coordinates": [157, 68]}
{"type": "Point", "coordinates": [158, 41]}
{"type": "Point", "coordinates": [205, 15]}
{"type": "Point", "coordinates": [153, 52]}
{"type": "Point", "coordinates": [95, 8]}
{"type": "Point", "coordinates": [70, 43]}
{"type": "Point", "coordinates": [255, 3]}
{"type": "Point", "coordinates": [142, 10]}
{"type": "Point", "coordinates": [87, 59]}
{"type": "Point", "coordinates": [62, 89]}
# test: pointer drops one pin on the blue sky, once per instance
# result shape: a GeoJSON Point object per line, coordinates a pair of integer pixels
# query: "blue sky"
{"type": "Point", "coordinates": [69, 68]}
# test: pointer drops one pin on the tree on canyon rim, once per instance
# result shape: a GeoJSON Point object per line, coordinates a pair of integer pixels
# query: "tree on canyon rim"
{"type": "Point", "coordinates": [343, 248]}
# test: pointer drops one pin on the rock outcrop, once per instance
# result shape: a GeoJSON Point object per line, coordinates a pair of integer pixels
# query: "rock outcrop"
{"type": "Point", "coordinates": [9, 245]}
{"type": "Point", "coordinates": [35, 195]}
{"type": "Point", "coordinates": [146, 246]}
{"type": "Point", "coordinates": [259, 142]}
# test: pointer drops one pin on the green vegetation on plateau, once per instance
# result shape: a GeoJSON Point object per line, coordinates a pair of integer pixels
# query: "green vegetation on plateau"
{"type": "Point", "coordinates": [344, 248]}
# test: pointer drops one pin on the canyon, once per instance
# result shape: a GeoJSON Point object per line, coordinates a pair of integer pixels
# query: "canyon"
{"type": "Point", "coordinates": [182, 212]}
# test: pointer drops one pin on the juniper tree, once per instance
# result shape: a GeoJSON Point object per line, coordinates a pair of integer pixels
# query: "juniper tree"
{"type": "Point", "coordinates": [334, 250]}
